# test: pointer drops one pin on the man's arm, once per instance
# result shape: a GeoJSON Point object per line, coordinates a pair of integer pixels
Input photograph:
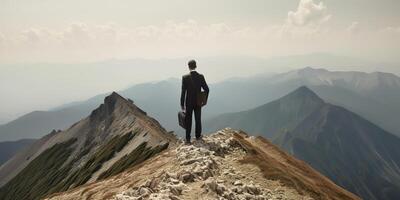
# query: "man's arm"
{"type": "Point", "coordinates": [183, 93]}
{"type": "Point", "coordinates": [204, 85]}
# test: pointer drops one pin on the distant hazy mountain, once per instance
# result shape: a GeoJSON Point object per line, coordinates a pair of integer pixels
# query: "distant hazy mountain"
{"type": "Point", "coordinates": [348, 149]}
{"type": "Point", "coordinates": [114, 137]}
{"type": "Point", "coordinates": [374, 96]}
{"type": "Point", "coordinates": [38, 123]}
{"type": "Point", "coordinates": [8, 149]}
{"type": "Point", "coordinates": [271, 118]}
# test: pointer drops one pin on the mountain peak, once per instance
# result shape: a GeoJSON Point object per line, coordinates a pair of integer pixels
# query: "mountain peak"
{"type": "Point", "coordinates": [114, 103]}
{"type": "Point", "coordinates": [113, 98]}
{"type": "Point", "coordinates": [303, 92]}
{"type": "Point", "coordinates": [312, 70]}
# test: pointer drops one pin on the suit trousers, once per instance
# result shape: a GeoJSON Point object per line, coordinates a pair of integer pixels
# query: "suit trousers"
{"type": "Point", "coordinates": [197, 117]}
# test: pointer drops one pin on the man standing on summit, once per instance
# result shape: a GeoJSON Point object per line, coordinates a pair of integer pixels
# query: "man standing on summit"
{"type": "Point", "coordinates": [192, 99]}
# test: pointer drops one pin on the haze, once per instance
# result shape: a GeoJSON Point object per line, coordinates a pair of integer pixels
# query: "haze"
{"type": "Point", "coordinates": [55, 52]}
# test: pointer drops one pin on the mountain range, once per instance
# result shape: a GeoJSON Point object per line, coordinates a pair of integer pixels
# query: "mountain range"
{"type": "Point", "coordinates": [119, 152]}
{"type": "Point", "coordinates": [374, 96]}
{"type": "Point", "coordinates": [350, 150]}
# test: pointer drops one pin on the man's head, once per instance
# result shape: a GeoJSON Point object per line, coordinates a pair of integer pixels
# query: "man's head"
{"type": "Point", "coordinates": [192, 65]}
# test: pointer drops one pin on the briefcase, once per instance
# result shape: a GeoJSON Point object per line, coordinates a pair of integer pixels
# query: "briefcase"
{"type": "Point", "coordinates": [181, 119]}
{"type": "Point", "coordinates": [202, 98]}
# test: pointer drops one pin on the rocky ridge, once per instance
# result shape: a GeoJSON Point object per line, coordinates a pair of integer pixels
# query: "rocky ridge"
{"type": "Point", "coordinates": [218, 167]}
{"type": "Point", "coordinates": [206, 167]}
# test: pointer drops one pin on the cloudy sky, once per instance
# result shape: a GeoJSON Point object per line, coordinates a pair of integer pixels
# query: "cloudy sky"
{"type": "Point", "coordinates": [92, 30]}
{"type": "Point", "coordinates": [57, 51]}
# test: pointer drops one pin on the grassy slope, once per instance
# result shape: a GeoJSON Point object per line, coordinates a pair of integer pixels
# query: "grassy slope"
{"type": "Point", "coordinates": [34, 181]}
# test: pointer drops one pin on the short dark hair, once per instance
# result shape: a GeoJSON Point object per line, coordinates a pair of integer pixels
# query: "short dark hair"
{"type": "Point", "coordinates": [192, 64]}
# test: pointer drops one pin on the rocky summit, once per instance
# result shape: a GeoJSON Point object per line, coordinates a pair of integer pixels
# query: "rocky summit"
{"type": "Point", "coordinates": [227, 164]}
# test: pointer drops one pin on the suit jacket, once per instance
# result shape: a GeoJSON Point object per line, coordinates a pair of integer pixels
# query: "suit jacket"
{"type": "Point", "coordinates": [191, 86]}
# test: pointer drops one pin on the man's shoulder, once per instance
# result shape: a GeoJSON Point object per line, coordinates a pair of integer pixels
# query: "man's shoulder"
{"type": "Point", "coordinates": [201, 76]}
{"type": "Point", "coordinates": [196, 74]}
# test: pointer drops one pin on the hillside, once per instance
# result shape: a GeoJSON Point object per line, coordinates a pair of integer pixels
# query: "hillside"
{"type": "Point", "coordinates": [326, 140]}
{"type": "Point", "coordinates": [227, 165]}
{"type": "Point", "coordinates": [115, 136]}
{"type": "Point", "coordinates": [324, 136]}
{"type": "Point", "coordinates": [8, 149]}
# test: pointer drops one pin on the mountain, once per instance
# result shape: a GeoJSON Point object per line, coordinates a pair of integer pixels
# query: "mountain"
{"type": "Point", "coordinates": [227, 164]}
{"type": "Point", "coordinates": [326, 140]}
{"type": "Point", "coordinates": [271, 118]}
{"type": "Point", "coordinates": [37, 123]}
{"type": "Point", "coordinates": [374, 96]}
{"type": "Point", "coordinates": [348, 149]}
{"type": "Point", "coordinates": [119, 152]}
{"type": "Point", "coordinates": [8, 149]}
{"type": "Point", "coordinates": [115, 136]}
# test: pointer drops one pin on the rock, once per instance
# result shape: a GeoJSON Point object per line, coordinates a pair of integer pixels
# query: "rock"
{"type": "Point", "coordinates": [171, 175]}
{"type": "Point", "coordinates": [206, 174]}
{"type": "Point", "coordinates": [251, 189]}
{"type": "Point", "coordinates": [151, 183]}
{"type": "Point", "coordinates": [198, 170]}
{"type": "Point", "coordinates": [211, 184]}
{"type": "Point", "coordinates": [186, 177]}
{"type": "Point", "coordinates": [144, 192]}
{"type": "Point", "coordinates": [176, 189]}
{"type": "Point", "coordinates": [174, 181]}
{"type": "Point", "coordinates": [237, 183]}
{"type": "Point", "coordinates": [229, 196]}
{"type": "Point", "coordinates": [172, 197]}
{"type": "Point", "coordinates": [220, 181]}
{"type": "Point", "coordinates": [220, 189]}
{"type": "Point", "coordinates": [189, 161]}
{"type": "Point", "coordinates": [248, 196]}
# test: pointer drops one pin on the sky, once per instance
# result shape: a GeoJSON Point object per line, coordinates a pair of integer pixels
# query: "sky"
{"type": "Point", "coordinates": [55, 52]}
{"type": "Point", "coordinates": [92, 30]}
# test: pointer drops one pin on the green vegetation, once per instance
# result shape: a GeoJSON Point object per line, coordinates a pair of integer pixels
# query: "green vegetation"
{"type": "Point", "coordinates": [36, 179]}
{"type": "Point", "coordinates": [46, 174]}
{"type": "Point", "coordinates": [105, 153]}
{"type": "Point", "coordinates": [138, 155]}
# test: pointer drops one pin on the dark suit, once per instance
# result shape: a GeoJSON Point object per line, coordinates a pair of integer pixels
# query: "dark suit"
{"type": "Point", "coordinates": [191, 86]}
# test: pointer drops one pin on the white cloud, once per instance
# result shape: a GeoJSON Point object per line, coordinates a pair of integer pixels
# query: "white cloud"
{"type": "Point", "coordinates": [85, 42]}
{"type": "Point", "coordinates": [80, 41]}
{"type": "Point", "coordinates": [354, 27]}
{"type": "Point", "coordinates": [308, 13]}
{"type": "Point", "coordinates": [391, 30]}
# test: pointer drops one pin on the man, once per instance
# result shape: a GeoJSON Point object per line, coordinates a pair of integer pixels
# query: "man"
{"type": "Point", "coordinates": [191, 87]}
